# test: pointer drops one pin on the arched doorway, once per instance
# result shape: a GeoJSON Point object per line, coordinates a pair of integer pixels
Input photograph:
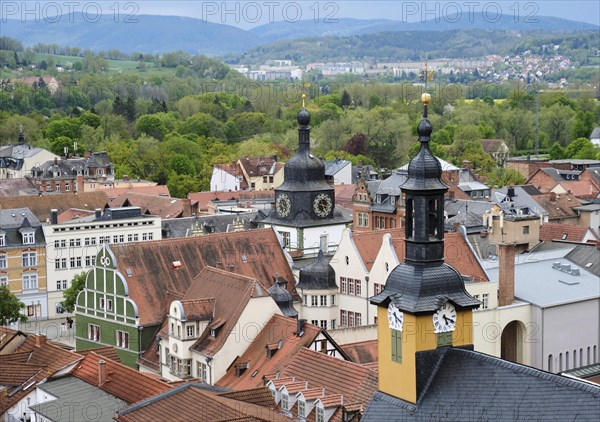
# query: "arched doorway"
{"type": "Point", "coordinates": [511, 343]}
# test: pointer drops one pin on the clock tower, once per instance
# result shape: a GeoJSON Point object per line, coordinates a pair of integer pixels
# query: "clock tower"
{"type": "Point", "coordinates": [305, 213]}
{"type": "Point", "coordinates": [424, 304]}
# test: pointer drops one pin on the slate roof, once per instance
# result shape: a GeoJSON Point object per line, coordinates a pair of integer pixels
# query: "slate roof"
{"type": "Point", "coordinates": [12, 220]}
{"type": "Point", "coordinates": [595, 133]}
{"type": "Point", "coordinates": [446, 166]}
{"type": "Point", "coordinates": [40, 205]}
{"type": "Point", "coordinates": [521, 199]}
{"type": "Point", "coordinates": [318, 275]}
{"type": "Point", "coordinates": [466, 212]}
{"type": "Point", "coordinates": [556, 231]}
{"type": "Point", "coordinates": [207, 224]}
{"type": "Point", "coordinates": [537, 282]}
{"type": "Point", "coordinates": [231, 294]}
{"type": "Point", "coordinates": [70, 390]}
{"type": "Point", "coordinates": [586, 256]}
{"type": "Point", "coordinates": [279, 328]}
{"type": "Point", "coordinates": [122, 381]}
{"type": "Point", "coordinates": [463, 385]}
{"type": "Point", "coordinates": [201, 405]}
{"type": "Point", "coordinates": [153, 274]}
{"type": "Point", "coordinates": [69, 168]}
{"type": "Point", "coordinates": [557, 206]}
{"type": "Point", "coordinates": [332, 167]}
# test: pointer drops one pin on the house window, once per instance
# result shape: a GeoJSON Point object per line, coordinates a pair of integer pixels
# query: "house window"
{"type": "Point", "coordinates": [525, 229]}
{"type": "Point", "coordinates": [484, 299]}
{"type": "Point", "coordinates": [344, 284]}
{"type": "Point", "coordinates": [89, 260]}
{"type": "Point", "coordinates": [350, 319]}
{"type": "Point", "coordinates": [479, 307]}
{"type": "Point", "coordinates": [67, 187]}
{"type": "Point", "coordinates": [3, 261]}
{"type": "Point", "coordinates": [549, 363]}
{"type": "Point", "coordinates": [332, 300]}
{"type": "Point", "coordinates": [4, 282]}
{"type": "Point", "coordinates": [34, 310]}
{"type": "Point", "coordinates": [270, 179]}
{"type": "Point", "coordinates": [392, 223]}
{"type": "Point", "coordinates": [61, 284]}
{"type": "Point", "coordinates": [397, 346]}
{"type": "Point", "coordinates": [358, 318]}
{"type": "Point", "coordinates": [60, 264]}
{"type": "Point", "coordinates": [350, 286]}
{"type": "Point", "coordinates": [315, 322]}
{"type": "Point", "coordinates": [301, 408]}
{"type": "Point", "coordinates": [378, 288]}
{"type": "Point", "coordinates": [358, 287]}
{"type": "Point", "coordinates": [106, 304]}
{"type": "Point", "coordinates": [323, 300]}
{"type": "Point", "coordinates": [129, 238]}
{"type": "Point", "coordinates": [201, 371]}
{"type": "Point", "coordinates": [93, 332]}
{"type": "Point", "coordinates": [30, 281]}
{"type": "Point", "coordinates": [123, 339]}
{"type": "Point", "coordinates": [265, 179]}
{"type": "Point", "coordinates": [323, 324]}
{"type": "Point", "coordinates": [75, 262]}
{"type": "Point", "coordinates": [320, 414]}
{"type": "Point", "coordinates": [344, 318]}
{"type": "Point", "coordinates": [305, 300]}
{"type": "Point", "coordinates": [285, 402]}
{"type": "Point", "coordinates": [190, 331]}
{"type": "Point", "coordinates": [286, 239]}
{"type": "Point", "coordinates": [28, 238]}
{"type": "Point", "coordinates": [314, 300]}
{"type": "Point", "coordinates": [74, 242]}
{"type": "Point", "coordinates": [2, 240]}
{"type": "Point", "coordinates": [58, 244]}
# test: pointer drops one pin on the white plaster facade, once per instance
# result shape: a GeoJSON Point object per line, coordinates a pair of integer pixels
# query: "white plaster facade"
{"type": "Point", "coordinates": [223, 181]}
{"type": "Point", "coordinates": [71, 248]}
{"type": "Point", "coordinates": [311, 239]}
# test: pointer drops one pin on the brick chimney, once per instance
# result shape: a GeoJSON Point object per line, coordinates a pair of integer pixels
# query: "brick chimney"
{"type": "Point", "coordinates": [79, 184]}
{"type": "Point", "coordinates": [552, 196]}
{"type": "Point", "coordinates": [506, 274]}
{"type": "Point", "coordinates": [186, 205]}
{"type": "Point", "coordinates": [40, 339]}
{"type": "Point", "coordinates": [101, 372]}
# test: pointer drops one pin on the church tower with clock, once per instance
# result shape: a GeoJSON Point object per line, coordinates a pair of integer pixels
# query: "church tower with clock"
{"type": "Point", "coordinates": [305, 214]}
{"type": "Point", "coordinates": [424, 304]}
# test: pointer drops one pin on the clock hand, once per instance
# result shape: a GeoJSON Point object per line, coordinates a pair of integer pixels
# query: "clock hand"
{"type": "Point", "coordinates": [448, 320]}
{"type": "Point", "coordinates": [397, 319]}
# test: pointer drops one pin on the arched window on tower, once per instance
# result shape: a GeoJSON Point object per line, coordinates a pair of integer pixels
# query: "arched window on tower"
{"type": "Point", "coordinates": [410, 219]}
{"type": "Point", "coordinates": [432, 218]}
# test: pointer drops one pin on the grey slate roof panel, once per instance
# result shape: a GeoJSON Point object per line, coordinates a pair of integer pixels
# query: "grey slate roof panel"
{"type": "Point", "coordinates": [463, 385]}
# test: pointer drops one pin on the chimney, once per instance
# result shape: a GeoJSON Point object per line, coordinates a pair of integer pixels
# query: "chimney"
{"type": "Point", "coordinates": [506, 274]}
{"type": "Point", "coordinates": [552, 196]}
{"type": "Point", "coordinates": [40, 339]}
{"type": "Point", "coordinates": [98, 213]}
{"type": "Point", "coordinates": [300, 327]}
{"type": "Point", "coordinates": [55, 160]}
{"type": "Point", "coordinates": [101, 372]}
{"type": "Point", "coordinates": [53, 216]}
{"type": "Point", "coordinates": [456, 226]}
{"type": "Point", "coordinates": [451, 194]}
{"type": "Point", "coordinates": [510, 192]}
{"type": "Point", "coordinates": [186, 205]}
{"type": "Point", "coordinates": [79, 183]}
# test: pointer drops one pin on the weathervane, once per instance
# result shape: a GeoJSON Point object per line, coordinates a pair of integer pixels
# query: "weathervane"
{"type": "Point", "coordinates": [303, 98]}
{"type": "Point", "coordinates": [426, 75]}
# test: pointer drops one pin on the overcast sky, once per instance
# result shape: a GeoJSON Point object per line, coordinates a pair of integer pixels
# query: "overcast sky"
{"type": "Point", "coordinates": [247, 14]}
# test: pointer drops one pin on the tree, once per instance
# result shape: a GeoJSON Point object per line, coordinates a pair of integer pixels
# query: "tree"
{"type": "Point", "coordinates": [182, 184]}
{"type": "Point", "coordinates": [345, 99]}
{"type": "Point", "coordinates": [581, 148]}
{"type": "Point", "coordinates": [151, 125]}
{"type": "Point", "coordinates": [77, 285]}
{"type": "Point", "coordinates": [10, 307]}
{"type": "Point", "coordinates": [357, 145]}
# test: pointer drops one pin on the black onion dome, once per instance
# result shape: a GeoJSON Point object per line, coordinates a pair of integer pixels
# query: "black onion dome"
{"type": "Point", "coordinates": [424, 170]}
{"type": "Point", "coordinates": [317, 276]}
{"type": "Point", "coordinates": [417, 288]}
{"type": "Point", "coordinates": [283, 298]}
{"type": "Point", "coordinates": [303, 117]}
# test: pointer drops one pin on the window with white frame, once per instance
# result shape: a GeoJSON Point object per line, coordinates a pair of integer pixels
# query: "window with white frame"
{"type": "Point", "coordinates": [28, 238]}
{"type": "Point", "coordinates": [30, 281]}
{"type": "Point", "coordinates": [34, 310]}
{"type": "Point", "coordinates": [74, 243]}
{"type": "Point", "coordinates": [89, 260]}
{"type": "Point", "coordinates": [3, 280]}
{"type": "Point", "coordinates": [190, 331]}
{"type": "Point", "coordinates": [75, 262]}
{"type": "Point", "coordinates": [93, 332]}
{"type": "Point", "coordinates": [479, 307]}
{"type": "Point", "coordinates": [314, 322]}
{"type": "Point", "coordinates": [201, 371]}
{"type": "Point", "coordinates": [323, 324]}
{"type": "Point", "coordinates": [358, 287]}
{"type": "Point", "coordinates": [61, 263]}
{"type": "Point", "coordinates": [287, 239]}
{"type": "Point", "coordinates": [332, 300]}
{"type": "Point", "coordinates": [323, 300]}
{"type": "Point", "coordinates": [301, 408]}
{"type": "Point", "coordinates": [61, 284]}
{"type": "Point", "coordinates": [2, 239]}
{"type": "Point", "coordinates": [350, 319]}
{"type": "Point", "coordinates": [344, 318]}
{"type": "Point", "coordinates": [123, 339]}
{"type": "Point", "coordinates": [333, 324]}
{"type": "Point", "coordinates": [285, 400]}
{"type": "Point", "coordinates": [314, 300]}
{"type": "Point", "coordinates": [29, 259]}
{"type": "Point", "coordinates": [320, 414]}
{"type": "Point", "coordinates": [3, 261]}
{"type": "Point", "coordinates": [60, 243]}
{"type": "Point", "coordinates": [350, 286]}
{"type": "Point", "coordinates": [344, 284]}
{"type": "Point", "coordinates": [136, 237]}
{"type": "Point", "coordinates": [67, 187]}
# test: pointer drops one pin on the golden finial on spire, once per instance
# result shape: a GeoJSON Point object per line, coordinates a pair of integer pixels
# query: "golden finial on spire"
{"type": "Point", "coordinates": [425, 98]}
{"type": "Point", "coordinates": [303, 98]}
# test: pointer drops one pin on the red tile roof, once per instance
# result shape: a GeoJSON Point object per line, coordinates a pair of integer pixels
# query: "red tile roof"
{"type": "Point", "coordinates": [362, 352]}
{"type": "Point", "coordinates": [344, 194]}
{"type": "Point", "coordinates": [40, 205]}
{"type": "Point", "coordinates": [204, 198]}
{"type": "Point", "coordinates": [14, 374]}
{"type": "Point", "coordinates": [191, 402]}
{"type": "Point", "coordinates": [198, 309]}
{"type": "Point", "coordinates": [121, 381]}
{"type": "Point", "coordinates": [158, 190]}
{"type": "Point", "coordinates": [107, 352]}
{"type": "Point", "coordinates": [254, 165]}
{"type": "Point", "coordinates": [153, 276]}
{"type": "Point", "coordinates": [230, 293]}
{"type": "Point", "coordinates": [260, 396]}
{"type": "Point", "coordinates": [558, 206]}
{"type": "Point", "coordinates": [279, 328]}
{"type": "Point", "coordinates": [336, 376]}
{"type": "Point", "coordinates": [73, 213]}
{"type": "Point", "coordinates": [163, 206]}
{"type": "Point", "coordinates": [456, 250]}
{"type": "Point", "coordinates": [555, 231]}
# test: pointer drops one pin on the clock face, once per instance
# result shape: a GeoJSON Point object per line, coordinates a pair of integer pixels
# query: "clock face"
{"type": "Point", "coordinates": [322, 205]}
{"type": "Point", "coordinates": [283, 205]}
{"type": "Point", "coordinates": [444, 319]}
{"type": "Point", "coordinates": [395, 317]}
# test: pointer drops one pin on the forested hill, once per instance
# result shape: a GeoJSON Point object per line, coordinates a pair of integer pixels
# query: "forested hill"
{"type": "Point", "coordinates": [159, 34]}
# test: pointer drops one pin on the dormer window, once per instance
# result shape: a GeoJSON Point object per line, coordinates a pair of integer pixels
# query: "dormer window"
{"type": "Point", "coordinates": [190, 331]}
{"type": "Point", "coordinates": [2, 239]}
{"type": "Point", "coordinates": [213, 332]}
{"type": "Point", "coordinates": [28, 238]}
